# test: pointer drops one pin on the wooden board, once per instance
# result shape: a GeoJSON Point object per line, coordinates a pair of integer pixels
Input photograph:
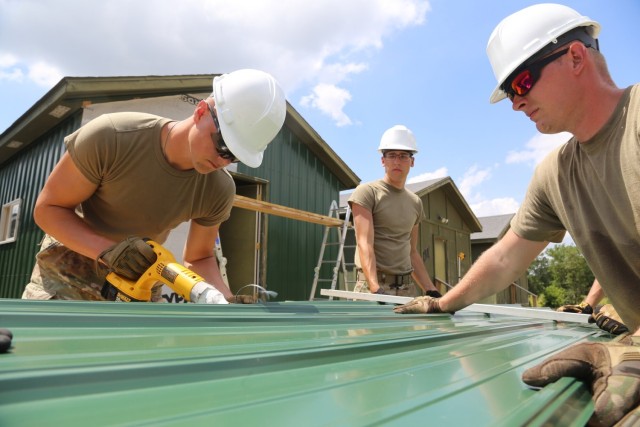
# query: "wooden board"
{"type": "Point", "coordinates": [284, 211]}
{"type": "Point", "coordinates": [532, 313]}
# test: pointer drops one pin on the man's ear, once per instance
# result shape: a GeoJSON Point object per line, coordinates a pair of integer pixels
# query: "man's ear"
{"type": "Point", "coordinates": [200, 110]}
{"type": "Point", "coordinates": [578, 53]}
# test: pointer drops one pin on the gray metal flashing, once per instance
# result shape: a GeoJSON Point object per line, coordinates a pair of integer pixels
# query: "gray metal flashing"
{"type": "Point", "coordinates": [324, 363]}
{"type": "Point", "coordinates": [506, 309]}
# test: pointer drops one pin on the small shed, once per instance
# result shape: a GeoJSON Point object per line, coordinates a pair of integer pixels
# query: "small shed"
{"type": "Point", "coordinates": [300, 170]}
{"type": "Point", "coordinates": [493, 228]}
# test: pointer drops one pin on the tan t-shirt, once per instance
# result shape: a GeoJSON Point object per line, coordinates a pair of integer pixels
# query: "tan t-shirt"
{"type": "Point", "coordinates": [138, 192]}
{"type": "Point", "coordinates": [592, 190]}
{"type": "Point", "coordinates": [395, 212]}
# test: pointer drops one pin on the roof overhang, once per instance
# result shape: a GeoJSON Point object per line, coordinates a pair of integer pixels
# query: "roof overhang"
{"type": "Point", "coordinates": [72, 94]}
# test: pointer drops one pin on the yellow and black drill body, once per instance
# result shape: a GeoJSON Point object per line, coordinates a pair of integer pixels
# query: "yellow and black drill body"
{"type": "Point", "coordinates": [186, 283]}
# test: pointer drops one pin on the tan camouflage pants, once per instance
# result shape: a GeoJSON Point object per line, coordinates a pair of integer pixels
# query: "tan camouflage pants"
{"type": "Point", "coordinates": [60, 273]}
{"type": "Point", "coordinates": [405, 290]}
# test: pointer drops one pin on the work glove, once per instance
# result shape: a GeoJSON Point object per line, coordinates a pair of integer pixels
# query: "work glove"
{"type": "Point", "coordinates": [420, 305]}
{"type": "Point", "coordinates": [380, 291]}
{"type": "Point", "coordinates": [433, 294]}
{"type": "Point", "coordinates": [5, 340]}
{"type": "Point", "coordinates": [129, 258]}
{"type": "Point", "coordinates": [242, 299]}
{"type": "Point", "coordinates": [607, 319]}
{"type": "Point", "coordinates": [612, 370]}
{"type": "Point", "coordinates": [583, 308]}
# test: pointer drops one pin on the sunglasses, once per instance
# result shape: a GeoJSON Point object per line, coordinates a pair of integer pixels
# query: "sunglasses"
{"type": "Point", "coordinates": [221, 147]}
{"type": "Point", "coordinates": [403, 157]}
{"type": "Point", "coordinates": [525, 78]}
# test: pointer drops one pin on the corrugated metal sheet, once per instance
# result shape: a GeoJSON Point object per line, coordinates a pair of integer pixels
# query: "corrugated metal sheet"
{"type": "Point", "coordinates": [330, 363]}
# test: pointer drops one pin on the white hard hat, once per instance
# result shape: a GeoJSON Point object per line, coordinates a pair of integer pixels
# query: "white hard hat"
{"type": "Point", "coordinates": [398, 137]}
{"type": "Point", "coordinates": [523, 34]}
{"type": "Point", "coordinates": [251, 108]}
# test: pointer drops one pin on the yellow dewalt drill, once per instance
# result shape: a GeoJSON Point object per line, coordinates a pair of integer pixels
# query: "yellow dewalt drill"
{"type": "Point", "coordinates": [186, 283]}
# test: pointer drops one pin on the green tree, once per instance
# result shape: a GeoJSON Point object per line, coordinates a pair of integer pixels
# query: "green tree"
{"type": "Point", "coordinates": [539, 275]}
{"type": "Point", "coordinates": [554, 296]}
{"type": "Point", "coordinates": [560, 275]}
{"type": "Point", "coordinates": [570, 271]}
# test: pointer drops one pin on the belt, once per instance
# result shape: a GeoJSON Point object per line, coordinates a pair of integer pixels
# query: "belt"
{"type": "Point", "coordinates": [393, 280]}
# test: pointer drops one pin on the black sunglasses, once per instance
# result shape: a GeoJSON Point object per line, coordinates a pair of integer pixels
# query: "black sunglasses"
{"type": "Point", "coordinates": [523, 79]}
{"type": "Point", "coordinates": [221, 147]}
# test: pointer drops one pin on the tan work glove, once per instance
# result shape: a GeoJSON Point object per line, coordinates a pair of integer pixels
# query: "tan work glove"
{"type": "Point", "coordinates": [607, 319]}
{"type": "Point", "coordinates": [242, 299]}
{"type": "Point", "coordinates": [420, 305]}
{"type": "Point", "coordinates": [583, 308]}
{"type": "Point", "coordinates": [612, 371]}
{"type": "Point", "coordinates": [129, 258]}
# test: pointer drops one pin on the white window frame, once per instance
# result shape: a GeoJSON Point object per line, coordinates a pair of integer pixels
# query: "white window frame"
{"type": "Point", "coordinates": [9, 221]}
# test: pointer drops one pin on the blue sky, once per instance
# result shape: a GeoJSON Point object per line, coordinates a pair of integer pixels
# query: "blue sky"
{"type": "Point", "coordinates": [352, 68]}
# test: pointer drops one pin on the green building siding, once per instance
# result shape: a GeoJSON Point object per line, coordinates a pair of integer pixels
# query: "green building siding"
{"type": "Point", "coordinates": [23, 177]}
{"type": "Point", "coordinates": [306, 184]}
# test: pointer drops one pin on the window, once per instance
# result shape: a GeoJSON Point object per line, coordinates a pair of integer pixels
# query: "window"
{"type": "Point", "coordinates": [9, 219]}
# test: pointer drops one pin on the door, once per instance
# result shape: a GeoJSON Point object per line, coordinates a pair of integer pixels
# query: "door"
{"type": "Point", "coordinates": [440, 263]}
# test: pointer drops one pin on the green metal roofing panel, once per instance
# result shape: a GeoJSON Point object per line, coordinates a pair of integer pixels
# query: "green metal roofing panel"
{"type": "Point", "coordinates": [323, 363]}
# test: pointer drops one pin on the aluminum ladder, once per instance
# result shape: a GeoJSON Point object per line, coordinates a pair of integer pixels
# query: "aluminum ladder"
{"type": "Point", "coordinates": [339, 239]}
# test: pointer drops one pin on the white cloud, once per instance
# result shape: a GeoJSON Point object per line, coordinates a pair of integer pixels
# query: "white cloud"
{"type": "Point", "coordinates": [303, 44]}
{"type": "Point", "coordinates": [438, 173]}
{"type": "Point", "coordinates": [44, 74]}
{"type": "Point", "coordinates": [330, 100]}
{"type": "Point", "coordinates": [498, 206]}
{"type": "Point", "coordinates": [537, 148]}
{"type": "Point", "coordinates": [8, 68]}
{"type": "Point", "coordinates": [472, 178]}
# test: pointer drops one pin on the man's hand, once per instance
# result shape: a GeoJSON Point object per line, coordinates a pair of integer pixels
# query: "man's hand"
{"type": "Point", "coordinates": [607, 319]}
{"type": "Point", "coordinates": [583, 308]}
{"type": "Point", "coordinates": [420, 305]}
{"type": "Point", "coordinates": [129, 258]}
{"type": "Point", "coordinates": [242, 299]}
{"type": "Point", "coordinates": [611, 369]}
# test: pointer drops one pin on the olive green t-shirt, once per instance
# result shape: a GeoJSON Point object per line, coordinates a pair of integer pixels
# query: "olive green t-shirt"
{"type": "Point", "coordinates": [395, 212]}
{"type": "Point", "coordinates": [592, 190]}
{"type": "Point", "coordinates": [139, 193]}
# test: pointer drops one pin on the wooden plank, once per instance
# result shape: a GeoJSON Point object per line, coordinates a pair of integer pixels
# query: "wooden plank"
{"type": "Point", "coordinates": [284, 211]}
{"type": "Point", "coordinates": [532, 313]}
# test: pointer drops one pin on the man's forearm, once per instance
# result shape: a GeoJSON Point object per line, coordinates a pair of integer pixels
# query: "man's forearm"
{"type": "Point", "coordinates": [500, 265]}
{"type": "Point", "coordinates": [369, 267]}
{"type": "Point", "coordinates": [420, 274]}
{"type": "Point", "coordinates": [68, 228]}
{"type": "Point", "coordinates": [595, 294]}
